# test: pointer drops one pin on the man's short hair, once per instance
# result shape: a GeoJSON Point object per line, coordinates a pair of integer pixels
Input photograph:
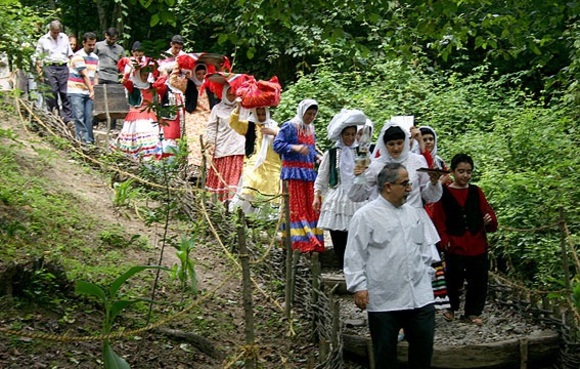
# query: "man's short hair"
{"type": "Point", "coordinates": [389, 174]}
{"type": "Point", "coordinates": [177, 39]}
{"type": "Point", "coordinates": [89, 36]}
{"type": "Point", "coordinates": [111, 32]}
{"type": "Point", "coordinates": [461, 158]}
{"type": "Point", "coordinates": [55, 24]}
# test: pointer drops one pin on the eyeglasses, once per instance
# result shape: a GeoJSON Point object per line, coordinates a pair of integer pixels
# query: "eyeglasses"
{"type": "Point", "coordinates": [404, 184]}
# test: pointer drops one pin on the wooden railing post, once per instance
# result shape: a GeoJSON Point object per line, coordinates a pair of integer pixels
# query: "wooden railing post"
{"type": "Point", "coordinates": [250, 358]}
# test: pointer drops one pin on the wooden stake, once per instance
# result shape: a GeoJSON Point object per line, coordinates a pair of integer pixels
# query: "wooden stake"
{"type": "Point", "coordinates": [250, 358]}
{"type": "Point", "coordinates": [288, 246]}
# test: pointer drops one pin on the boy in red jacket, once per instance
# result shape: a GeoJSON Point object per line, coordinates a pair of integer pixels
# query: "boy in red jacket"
{"type": "Point", "coordinates": [463, 217]}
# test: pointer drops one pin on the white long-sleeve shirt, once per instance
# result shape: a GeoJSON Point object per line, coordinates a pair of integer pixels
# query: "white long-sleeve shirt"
{"type": "Point", "coordinates": [388, 255]}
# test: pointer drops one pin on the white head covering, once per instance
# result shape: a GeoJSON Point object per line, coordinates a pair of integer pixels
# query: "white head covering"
{"type": "Point", "coordinates": [368, 127]}
{"type": "Point", "coordinates": [266, 139]}
{"type": "Point", "coordinates": [346, 118]}
{"type": "Point", "coordinates": [307, 129]}
{"type": "Point", "coordinates": [434, 151]}
{"type": "Point", "coordinates": [225, 108]}
{"type": "Point", "coordinates": [381, 148]}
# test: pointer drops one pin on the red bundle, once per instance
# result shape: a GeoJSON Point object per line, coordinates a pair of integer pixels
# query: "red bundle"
{"type": "Point", "coordinates": [215, 82]}
{"type": "Point", "coordinates": [257, 94]}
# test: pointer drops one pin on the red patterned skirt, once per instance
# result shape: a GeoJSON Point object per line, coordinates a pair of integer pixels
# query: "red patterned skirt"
{"type": "Point", "coordinates": [224, 175]}
{"type": "Point", "coordinates": [304, 232]}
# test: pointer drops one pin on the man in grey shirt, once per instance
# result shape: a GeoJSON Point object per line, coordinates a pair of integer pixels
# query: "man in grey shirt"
{"type": "Point", "coordinates": [109, 53]}
{"type": "Point", "coordinates": [387, 264]}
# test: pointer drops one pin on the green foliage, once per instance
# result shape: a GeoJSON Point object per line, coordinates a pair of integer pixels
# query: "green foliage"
{"type": "Point", "coordinates": [18, 24]}
{"type": "Point", "coordinates": [524, 151]}
{"type": "Point", "coordinates": [185, 270]}
{"type": "Point", "coordinates": [113, 305]}
{"type": "Point", "coordinates": [126, 193]}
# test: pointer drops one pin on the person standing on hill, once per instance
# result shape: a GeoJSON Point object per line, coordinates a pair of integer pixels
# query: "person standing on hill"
{"type": "Point", "coordinates": [463, 217]}
{"type": "Point", "coordinates": [53, 53]}
{"type": "Point", "coordinates": [83, 75]}
{"type": "Point", "coordinates": [109, 53]}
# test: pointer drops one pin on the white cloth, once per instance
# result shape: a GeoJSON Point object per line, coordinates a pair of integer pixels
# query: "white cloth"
{"type": "Point", "coordinates": [337, 209]}
{"type": "Point", "coordinates": [346, 118]}
{"type": "Point", "coordinates": [436, 158]}
{"type": "Point", "coordinates": [388, 255]}
{"type": "Point", "coordinates": [421, 187]}
{"type": "Point", "coordinates": [307, 129]}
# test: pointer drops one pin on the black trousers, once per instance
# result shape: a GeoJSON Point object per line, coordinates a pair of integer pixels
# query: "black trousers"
{"type": "Point", "coordinates": [419, 327]}
{"type": "Point", "coordinates": [56, 77]}
{"type": "Point", "coordinates": [474, 270]}
{"type": "Point", "coordinates": [339, 239]}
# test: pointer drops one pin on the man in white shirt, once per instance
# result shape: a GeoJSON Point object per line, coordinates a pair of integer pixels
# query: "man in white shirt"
{"type": "Point", "coordinates": [388, 267]}
{"type": "Point", "coordinates": [52, 56]}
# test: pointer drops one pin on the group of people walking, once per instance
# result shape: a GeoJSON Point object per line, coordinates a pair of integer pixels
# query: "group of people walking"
{"type": "Point", "coordinates": [391, 210]}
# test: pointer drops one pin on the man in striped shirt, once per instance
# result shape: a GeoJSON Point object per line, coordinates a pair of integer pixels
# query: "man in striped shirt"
{"type": "Point", "coordinates": [83, 75]}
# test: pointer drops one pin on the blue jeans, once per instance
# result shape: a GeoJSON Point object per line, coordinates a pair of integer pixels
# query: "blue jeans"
{"type": "Point", "coordinates": [82, 107]}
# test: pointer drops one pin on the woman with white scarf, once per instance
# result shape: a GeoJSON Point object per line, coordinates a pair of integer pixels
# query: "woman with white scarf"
{"type": "Point", "coordinates": [226, 147]}
{"type": "Point", "coordinates": [139, 137]}
{"type": "Point", "coordinates": [261, 174]}
{"type": "Point", "coordinates": [393, 145]}
{"type": "Point", "coordinates": [296, 143]}
{"type": "Point", "coordinates": [335, 178]}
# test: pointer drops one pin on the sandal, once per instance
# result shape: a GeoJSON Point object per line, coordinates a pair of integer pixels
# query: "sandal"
{"type": "Point", "coordinates": [474, 319]}
{"type": "Point", "coordinates": [448, 315]}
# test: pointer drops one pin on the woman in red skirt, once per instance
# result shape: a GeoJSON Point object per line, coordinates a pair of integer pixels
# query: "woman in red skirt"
{"type": "Point", "coordinates": [226, 147]}
{"type": "Point", "coordinates": [296, 143]}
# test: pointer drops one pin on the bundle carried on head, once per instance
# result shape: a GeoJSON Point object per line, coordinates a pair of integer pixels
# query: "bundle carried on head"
{"type": "Point", "coordinates": [215, 82]}
{"type": "Point", "coordinates": [255, 94]}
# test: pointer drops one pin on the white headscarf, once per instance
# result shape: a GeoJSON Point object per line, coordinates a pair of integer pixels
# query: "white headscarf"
{"type": "Point", "coordinates": [381, 147]}
{"type": "Point", "coordinates": [434, 151]}
{"type": "Point", "coordinates": [344, 119]}
{"type": "Point", "coordinates": [266, 139]}
{"type": "Point", "coordinates": [225, 108]}
{"type": "Point", "coordinates": [307, 129]}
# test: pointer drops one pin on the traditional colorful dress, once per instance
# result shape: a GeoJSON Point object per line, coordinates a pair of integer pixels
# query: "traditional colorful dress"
{"type": "Point", "coordinates": [197, 113]}
{"type": "Point", "coordinates": [261, 174]}
{"type": "Point", "coordinates": [172, 118]}
{"type": "Point", "coordinates": [225, 169]}
{"type": "Point", "coordinates": [139, 137]}
{"type": "Point", "coordinates": [298, 171]}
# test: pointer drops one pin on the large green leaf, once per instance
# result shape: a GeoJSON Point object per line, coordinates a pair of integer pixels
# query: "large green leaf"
{"type": "Point", "coordinates": [112, 360]}
{"type": "Point", "coordinates": [91, 289]}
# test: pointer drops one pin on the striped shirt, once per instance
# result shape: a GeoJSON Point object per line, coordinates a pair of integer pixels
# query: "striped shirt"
{"type": "Point", "coordinates": [81, 61]}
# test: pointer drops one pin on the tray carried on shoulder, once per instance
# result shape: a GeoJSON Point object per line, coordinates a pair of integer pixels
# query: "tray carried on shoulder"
{"type": "Point", "coordinates": [116, 102]}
